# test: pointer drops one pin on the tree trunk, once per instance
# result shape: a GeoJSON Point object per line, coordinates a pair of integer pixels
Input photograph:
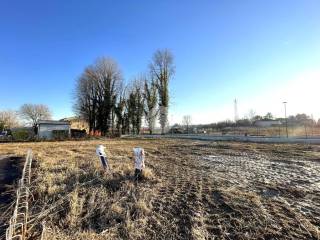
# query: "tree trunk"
{"type": "Point", "coordinates": [163, 118]}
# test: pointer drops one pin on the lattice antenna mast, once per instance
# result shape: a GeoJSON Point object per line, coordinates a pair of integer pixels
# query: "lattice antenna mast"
{"type": "Point", "coordinates": [236, 116]}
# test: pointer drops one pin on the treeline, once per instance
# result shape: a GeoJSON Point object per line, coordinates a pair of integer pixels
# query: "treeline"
{"type": "Point", "coordinates": [112, 107]}
{"type": "Point", "coordinates": [28, 114]}
{"type": "Point", "coordinates": [300, 119]}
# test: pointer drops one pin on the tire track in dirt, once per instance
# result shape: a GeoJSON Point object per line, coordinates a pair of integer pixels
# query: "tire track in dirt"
{"type": "Point", "coordinates": [177, 206]}
{"type": "Point", "coordinates": [304, 211]}
{"type": "Point", "coordinates": [210, 193]}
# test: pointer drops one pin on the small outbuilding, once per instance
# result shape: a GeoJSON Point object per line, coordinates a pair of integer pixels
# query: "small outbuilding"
{"type": "Point", "coordinates": [49, 129]}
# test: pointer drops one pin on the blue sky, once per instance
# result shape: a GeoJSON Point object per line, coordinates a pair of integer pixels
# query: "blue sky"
{"type": "Point", "coordinates": [260, 52]}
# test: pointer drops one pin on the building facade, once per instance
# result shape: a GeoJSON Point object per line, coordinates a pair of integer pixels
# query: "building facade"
{"type": "Point", "coordinates": [49, 129]}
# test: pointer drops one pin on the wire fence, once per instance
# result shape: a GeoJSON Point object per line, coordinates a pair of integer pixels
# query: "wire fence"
{"type": "Point", "coordinates": [18, 222]}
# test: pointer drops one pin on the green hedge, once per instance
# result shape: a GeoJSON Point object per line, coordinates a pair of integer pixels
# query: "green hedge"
{"type": "Point", "coordinates": [20, 134]}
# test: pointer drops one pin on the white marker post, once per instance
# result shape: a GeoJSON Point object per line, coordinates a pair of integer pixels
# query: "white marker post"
{"type": "Point", "coordinates": [103, 157]}
{"type": "Point", "coordinates": [138, 162]}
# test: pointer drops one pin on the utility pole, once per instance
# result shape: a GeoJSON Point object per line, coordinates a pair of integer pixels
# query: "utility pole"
{"type": "Point", "coordinates": [236, 115]}
{"type": "Point", "coordinates": [312, 124]}
{"type": "Point", "coordinates": [285, 116]}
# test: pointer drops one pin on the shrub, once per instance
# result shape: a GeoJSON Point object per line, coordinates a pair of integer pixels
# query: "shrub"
{"type": "Point", "coordinates": [77, 133]}
{"type": "Point", "coordinates": [21, 134]}
{"type": "Point", "coordinates": [60, 134]}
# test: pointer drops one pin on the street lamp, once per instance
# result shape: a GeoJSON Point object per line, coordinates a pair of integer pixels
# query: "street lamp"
{"type": "Point", "coordinates": [285, 116]}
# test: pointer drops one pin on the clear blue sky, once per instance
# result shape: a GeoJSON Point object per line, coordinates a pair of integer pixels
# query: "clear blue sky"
{"type": "Point", "coordinates": [260, 51]}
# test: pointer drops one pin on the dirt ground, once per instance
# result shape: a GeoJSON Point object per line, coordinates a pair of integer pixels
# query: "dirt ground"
{"type": "Point", "coordinates": [10, 171]}
{"type": "Point", "coordinates": [191, 190]}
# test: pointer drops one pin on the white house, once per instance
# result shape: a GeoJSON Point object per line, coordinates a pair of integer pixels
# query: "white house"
{"type": "Point", "coordinates": [49, 129]}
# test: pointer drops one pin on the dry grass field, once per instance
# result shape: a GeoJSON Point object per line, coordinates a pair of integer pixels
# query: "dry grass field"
{"type": "Point", "coordinates": [191, 190]}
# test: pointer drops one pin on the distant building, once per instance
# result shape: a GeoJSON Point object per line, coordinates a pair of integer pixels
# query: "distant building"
{"type": "Point", "coordinates": [77, 123]}
{"type": "Point", "coordinates": [49, 129]}
{"type": "Point", "coordinates": [176, 129]}
{"type": "Point", "coordinates": [267, 123]}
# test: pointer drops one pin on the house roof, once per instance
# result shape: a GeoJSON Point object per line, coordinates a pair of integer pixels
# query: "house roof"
{"type": "Point", "coordinates": [75, 118]}
{"type": "Point", "coordinates": [53, 122]}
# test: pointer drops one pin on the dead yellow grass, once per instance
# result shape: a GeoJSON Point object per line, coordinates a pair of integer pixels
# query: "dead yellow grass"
{"type": "Point", "coordinates": [73, 191]}
{"type": "Point", "coordinates": [177, 198]}
{"type": "Point", "coordinates": [148, 174]}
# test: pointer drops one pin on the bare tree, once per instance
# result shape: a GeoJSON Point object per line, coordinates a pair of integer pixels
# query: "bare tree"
{"type": "Point", "coordinates": [109, 81]}
{"type": "Point", "coordinates": [150, 99]}
{"type": "Point", "coordinates": [120, 111]}
{"type": "Point", "coordinates": [86, 101]}
{"type": "Point", "coordinates": [186, 121]}
{"type": "Point", "coordinates": [162, 69]}
{"type": "Point", "coordinates": [96, 94]}
{"type": "Point", "coordinates": [34, 112]}
{"type": "Point", "coordinates": [251, 115]}
{"type": "Point", "coordinates": [268, 116]}
{"type": "Point", "coordinates": [135, 105]}
{"type": "Point", "coordinates": [9, 119]}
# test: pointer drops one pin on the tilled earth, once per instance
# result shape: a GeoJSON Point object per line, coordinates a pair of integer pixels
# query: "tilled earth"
{"type": "Point", "coordinates": [200, 190]}
{"type": "Point", "coordinates": [220, 191]}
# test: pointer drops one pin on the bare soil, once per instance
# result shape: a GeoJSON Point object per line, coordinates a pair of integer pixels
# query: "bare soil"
{"type": "Point", "coordinates": [191, 190]}
{"type": "Point", "coordinates": [10, 172]}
